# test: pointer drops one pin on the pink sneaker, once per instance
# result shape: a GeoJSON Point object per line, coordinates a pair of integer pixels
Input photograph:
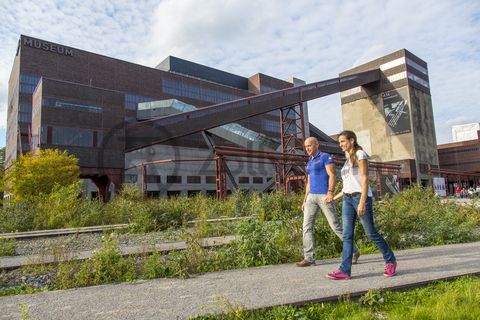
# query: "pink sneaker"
{"type": "Point", "coordinates": [390, 269]}
{"type": "Point", "coordinates": [338, 275]}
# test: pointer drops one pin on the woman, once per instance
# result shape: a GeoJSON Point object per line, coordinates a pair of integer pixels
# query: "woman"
{"type": "Point", "coordinates": [357, 199]}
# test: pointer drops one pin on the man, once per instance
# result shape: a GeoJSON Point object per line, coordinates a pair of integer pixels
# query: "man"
{"type": "Point", "coordinates": [319, 194]}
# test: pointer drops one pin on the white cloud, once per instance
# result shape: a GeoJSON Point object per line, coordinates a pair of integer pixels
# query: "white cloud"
{"type": "Point", "coordinates": [311, 40]}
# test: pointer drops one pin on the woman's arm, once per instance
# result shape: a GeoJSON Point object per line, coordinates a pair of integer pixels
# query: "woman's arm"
{"type": "Point", "coordinates": [338, 196]}
{"type": "Point", "coordinates": [363, 169]}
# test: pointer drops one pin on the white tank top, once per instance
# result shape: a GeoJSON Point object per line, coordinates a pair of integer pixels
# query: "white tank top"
{"type": "Point", "coordinates": [352, 179]}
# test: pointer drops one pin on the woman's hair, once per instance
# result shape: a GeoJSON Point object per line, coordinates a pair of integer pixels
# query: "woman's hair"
{"type": "Point", "coordinates": [351, 135]}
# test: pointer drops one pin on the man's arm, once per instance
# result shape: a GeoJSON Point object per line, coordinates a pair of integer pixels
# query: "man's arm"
{"type": "Point", "coordinates": [330, 168]}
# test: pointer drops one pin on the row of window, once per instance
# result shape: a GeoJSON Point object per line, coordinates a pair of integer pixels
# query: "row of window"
{"type": "Point", "coordinates": [460, 163]}
{"type": "Point", "coordinates": [28, 83]}
{"type": "Point", "coordinates": [53, 102]}
{"type": "Point", "coordinates": [457, 151]}
{"type": "Point", "coordinates": [265, 89]}
{"type": "Point", "coordinates": [25, 117]}
{"type": "Point", "coordinates": [65, 136]}
{"type": "Point", "coordinates": [195, 92]}
{"type": "Point", "coordinates": [132, 101]}
{"type": "Point", "coordinates": [133, 178]}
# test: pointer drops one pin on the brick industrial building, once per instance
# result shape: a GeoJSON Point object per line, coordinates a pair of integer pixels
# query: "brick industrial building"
{"type": "Point", "coordinates": [67, 98]}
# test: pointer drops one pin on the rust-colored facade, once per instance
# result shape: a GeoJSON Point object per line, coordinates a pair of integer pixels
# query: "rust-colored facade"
{"type": "Point", "coordinates": [461, 156]}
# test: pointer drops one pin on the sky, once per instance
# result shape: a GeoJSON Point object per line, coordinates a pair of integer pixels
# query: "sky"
{"type": "Point", "coordinates": [307, 39]}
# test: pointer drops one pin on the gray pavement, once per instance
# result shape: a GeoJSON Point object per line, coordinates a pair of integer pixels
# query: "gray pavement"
{"type": "Point", "coordinates": [247, 288]}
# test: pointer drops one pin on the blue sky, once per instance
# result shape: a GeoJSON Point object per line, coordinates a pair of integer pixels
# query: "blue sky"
{"type": "Point", "coordinates": [306, 39]}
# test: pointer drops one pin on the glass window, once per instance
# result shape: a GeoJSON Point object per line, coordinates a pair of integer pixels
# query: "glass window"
{"type": "Point", "coordinates": [174, 179]}
{"type": "Point", "coordinates": [243, 179]}
{"type": "Point", "coordinates": [257, 180]}
{"type": "Point", "coordinates": [24, 117]}
{"type": "Point", "coordinates": [28, 83]}
{"type": "Point", "coordinates": [52, 102]}
{"type": "Point", "coordinates": [132, 101]}
{"type": "Point", "coordinates": [195, 92]}
{"type": "Point", "coordinates": [211, 179]}
{"type": "Point", "coordinates": [150, 178]}
{"type": "Point", "coordinates": [71, 136]}
{"type": "Point", "coordinates": [194, 179]}
{"type": "Point", "coordinates": [271, 125]}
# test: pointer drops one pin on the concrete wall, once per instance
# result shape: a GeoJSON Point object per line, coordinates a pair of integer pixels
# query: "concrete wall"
{"type": "Point", "coordinates": [424, 131]}
{"type": "Point", "coordinates": [366, 118]}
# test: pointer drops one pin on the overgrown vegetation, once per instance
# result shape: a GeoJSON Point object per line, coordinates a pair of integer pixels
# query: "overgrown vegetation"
{"type": "Point", "coordinates": [36, 174]}
{"type": "Point", "coordinates": [458, 299]}
{"type": "Point", "coordinates": [272, 235]}
{"type": "Point", "coordinates": [7, 247]}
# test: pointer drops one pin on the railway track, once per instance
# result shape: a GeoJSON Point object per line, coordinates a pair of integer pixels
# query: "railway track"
{"type": "Point", "coordinates": [49, 256]}
{"type": "Point", "coordinates": [15, 262]}
{"type": "Point", "coordinates": [96, 229]}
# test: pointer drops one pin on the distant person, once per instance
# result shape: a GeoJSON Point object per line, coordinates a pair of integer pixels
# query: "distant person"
{"type": "Point", "coordinates": [318, 195]}
{"type": "Point", "coordinates": [357, 200]}
{"type": "Point", "coordinates": [458, 191]}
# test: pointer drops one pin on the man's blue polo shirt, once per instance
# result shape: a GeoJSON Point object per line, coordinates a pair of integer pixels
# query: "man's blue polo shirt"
{"type": "Point", "coordinates": [317, 173]}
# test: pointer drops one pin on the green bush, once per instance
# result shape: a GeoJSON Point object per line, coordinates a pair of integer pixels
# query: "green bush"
{"type": "Point", "coordinates": [106, 266]}
{"type": "Point", "coordinates": [416, 217]}
{"type": "Point", "coordinates": [17, 217]}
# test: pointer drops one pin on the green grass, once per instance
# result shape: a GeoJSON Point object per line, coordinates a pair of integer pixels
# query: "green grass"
{"type": "Point", "coordinates": [7, 247]}
{"type": "Point", "coordinates": [458, 299]}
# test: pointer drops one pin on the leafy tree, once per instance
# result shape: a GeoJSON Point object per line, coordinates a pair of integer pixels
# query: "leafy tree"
{"type": "Point", "coordinates": [38, 173]}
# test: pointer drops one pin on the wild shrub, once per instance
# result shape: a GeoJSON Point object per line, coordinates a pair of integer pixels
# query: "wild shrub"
{"type": "Point", "coordinates": [416, 217]}
{"type": "Point", "coordinates": [154, 267]}
{"type": "Point", "coordinates": [7, 247]}
{"type": "Point", "coordinates": [276, 205]}
{"type": "Point", "coordinates": [106, 266]}
{"type": "Point", "coordinates": [61, 208]}
{"type": "Point", "coordinates": [17, 217]}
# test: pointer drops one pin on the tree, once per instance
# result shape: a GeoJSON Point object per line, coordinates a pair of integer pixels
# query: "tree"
{"type": "Point", "coordinates": [38, 173]}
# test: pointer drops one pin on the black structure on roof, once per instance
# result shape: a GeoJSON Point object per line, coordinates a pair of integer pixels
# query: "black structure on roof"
{"type": "Point", "coordinates": [174, 64]}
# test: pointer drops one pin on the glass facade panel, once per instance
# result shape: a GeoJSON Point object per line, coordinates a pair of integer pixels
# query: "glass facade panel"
{"type": "Point", "coordinates": [52, 102]}
{"type": "Point", "coordinates": [28, 83]}
{"type": "Point", "coordinates": [211, 179]}
{"type": "Point", "coordinates": [150, 178]}
{"type": "Point", "coordinates": [195, 92]}
{"type": "Point", "coordinates": [174, 179]}
{"type": "Point", "coordinates": [243, 179]}
{"type": "Point", "coordinates": [258, 180]}
{"type": "Point", "coordinates": [194, 179]}
{"type": "Point", "coordinates": [132, 101]}
{"type": "Point", "coordinates": [71, 136]}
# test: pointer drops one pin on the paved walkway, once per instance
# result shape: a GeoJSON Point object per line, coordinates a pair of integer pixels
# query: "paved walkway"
{"type": "Point", "coordinates": [249, 288]}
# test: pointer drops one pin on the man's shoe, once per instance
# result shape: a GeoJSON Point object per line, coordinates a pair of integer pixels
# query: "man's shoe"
{"type": "Point", "coordinates": [305, 263]}
{"type": "Point", "coordinates": [390, 269]}
{"type": "Point", "coordinates": [338, 275]}
{"type": "Point", "coordinates": [355, 257]}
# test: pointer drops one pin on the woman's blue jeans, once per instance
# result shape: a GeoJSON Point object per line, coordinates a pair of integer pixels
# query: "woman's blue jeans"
{"type": "Point", "coordinates": [349, 216]}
